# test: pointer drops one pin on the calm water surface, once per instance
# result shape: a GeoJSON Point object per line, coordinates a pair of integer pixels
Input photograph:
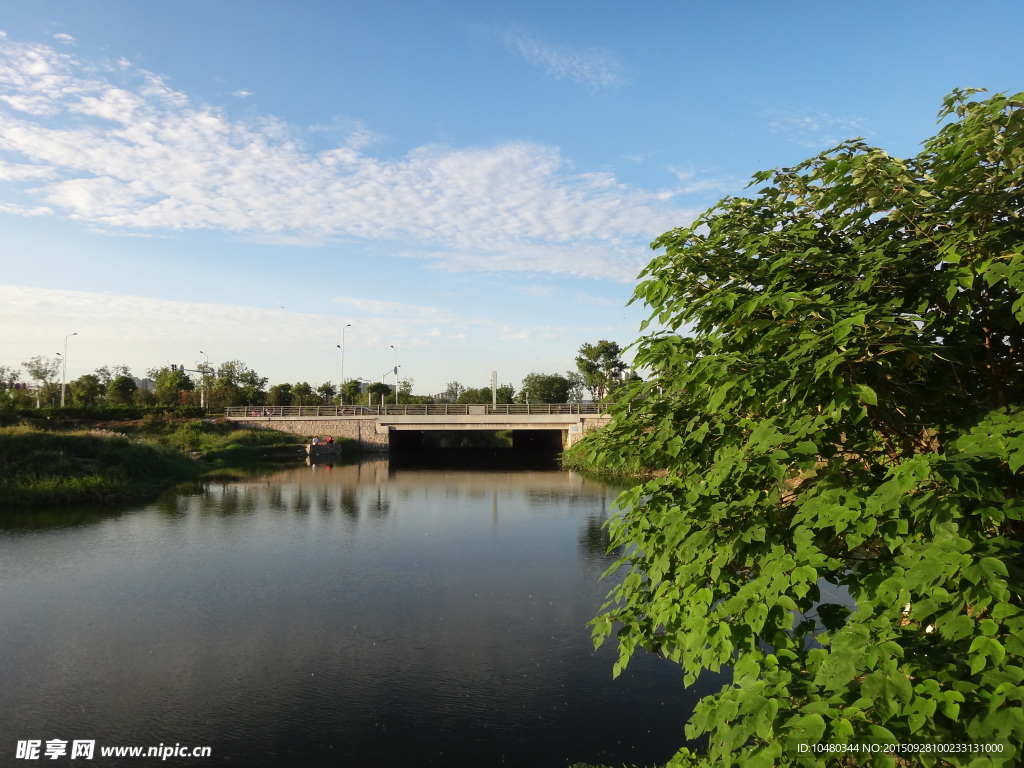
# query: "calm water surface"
{"type": "Point", "coordinates": [361, 615]}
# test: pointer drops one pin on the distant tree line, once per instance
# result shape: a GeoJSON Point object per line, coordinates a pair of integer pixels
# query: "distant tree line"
{"type": "Point", "coordinates": [600, 372]}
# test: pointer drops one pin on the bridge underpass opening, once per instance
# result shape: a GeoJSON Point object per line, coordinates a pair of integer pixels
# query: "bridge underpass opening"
{"type": "Point", "coordinates": [520, 440]}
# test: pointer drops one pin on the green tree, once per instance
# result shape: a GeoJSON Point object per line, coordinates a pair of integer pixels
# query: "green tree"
{"type": "Point", "coordinates": [302, 392]}
{"type": "Point", "coordinates": [844, 415]}
{"type": "Point", "coordinates": [121, 389]}
{"type": "Point", "coordinates": [472, 395]}
{"type": "Point", "coordinates": [376, 390]}
{"type": "Point", "coordinates": [9, 376]}
{"type": "Point", "coordinates": [351, 391]}
{"type": "Point", "coordinates": [453, 391]}
{"type": "Point", "coordinates": [9, 396]}
{"type": "Point", "coordinates": [280, 394]}
{"type": "Point", "coordinates": [170, 384]}
{"type": "Point", "coordinates": [326, 393]}
{"type": "Point", "coordinates": [107, 374]}
{"type": "Point", "coordinates": [86, 390]}
{"type": "Point", "coordinates": [142, 396]}
{"type": "Point", "coordinates": [44, 370]}
{"type": "Point", "coordinates": [545, 388]}
{"type": "Point", "coordinates": [236, 384]}
{"type": "Point", "coordinates": [252, 387]}
{"type": "Point", "coordinates": [601, 367]}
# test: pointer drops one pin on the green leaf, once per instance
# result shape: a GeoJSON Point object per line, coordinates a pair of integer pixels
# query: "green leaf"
{"type": "Point", "coordinates": [867, 394]}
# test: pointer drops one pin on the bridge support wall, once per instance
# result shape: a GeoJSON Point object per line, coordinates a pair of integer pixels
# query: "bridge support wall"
{"type": "Point", "coordinates": [364, 430]}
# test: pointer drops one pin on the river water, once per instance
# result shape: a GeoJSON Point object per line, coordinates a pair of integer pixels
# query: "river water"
{"type": "Point", "coordinates": [372, 614]}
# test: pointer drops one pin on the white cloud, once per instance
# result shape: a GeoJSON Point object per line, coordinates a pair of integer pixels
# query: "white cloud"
{"type": "Point", "coordinates": [815, 130]}
{"type": "Point", "coordinates": [597, 68]}
{"type": "Point", "coordinates": [61, 37]}
{"type": "Point", "coordinates": [379, 307]}
{"type": "Point", "coordinates": [242, 94]}
{"type": "Point", "coordinates": [115, 146]}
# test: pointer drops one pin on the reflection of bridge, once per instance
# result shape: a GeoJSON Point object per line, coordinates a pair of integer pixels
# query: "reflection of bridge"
{"type": "Point", "coordinates": [375, 427]}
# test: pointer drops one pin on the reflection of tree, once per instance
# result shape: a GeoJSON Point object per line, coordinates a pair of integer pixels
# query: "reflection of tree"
{"type": "Point", "coordinates": [173, 503]}
{"type": "Point", "coordinates": [276, 498]}
{"type": "Point", "coordinates": [326, 503]}
{"type": "Point", "coordinates": [593, 537]}
{"type": "Point", "coordinates": [228, 501]}
{"type": "Point", "coordinates": [301, 501]}
{"type": "Point", "coordinates": [383, 505]}
{"type": "Point", "coordinates": [349, 503]}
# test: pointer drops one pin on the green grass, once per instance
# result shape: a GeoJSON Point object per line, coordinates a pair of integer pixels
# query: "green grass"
{"type": "Point", "coordinates": [575, 458]}
{"type": "Point", "coordinates": [43, 467]}
{"type": "Point", "coordinates": [40, 468]}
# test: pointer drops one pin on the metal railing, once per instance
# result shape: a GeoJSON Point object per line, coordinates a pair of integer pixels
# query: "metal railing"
{"type": "Point", "coordinates": [421, 409]}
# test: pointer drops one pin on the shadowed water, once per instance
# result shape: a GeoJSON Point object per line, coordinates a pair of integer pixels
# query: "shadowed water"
{"type": "Point", "coordinates": [350, 615]}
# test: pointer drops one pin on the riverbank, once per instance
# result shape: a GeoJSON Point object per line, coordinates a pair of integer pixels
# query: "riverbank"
{"type": "Point", "coordinates": [578, 458]}
{"type": "Point", "coordinates": [108, 462]}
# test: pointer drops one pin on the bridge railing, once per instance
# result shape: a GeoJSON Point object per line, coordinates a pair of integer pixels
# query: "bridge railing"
{"type": "Point", "coordinates": [418, 409]}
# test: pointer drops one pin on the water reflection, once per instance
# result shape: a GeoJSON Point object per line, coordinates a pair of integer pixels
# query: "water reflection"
{"type": "Point", "coordinates": [362, 614]}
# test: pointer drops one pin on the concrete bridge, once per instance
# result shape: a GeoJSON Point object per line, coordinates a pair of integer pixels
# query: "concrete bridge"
{"type": "Point", "coordinates": [379, 428]}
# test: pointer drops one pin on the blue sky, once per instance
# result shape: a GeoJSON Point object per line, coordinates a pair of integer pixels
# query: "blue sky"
{"type": "Point", "coordinates": [474, 183]}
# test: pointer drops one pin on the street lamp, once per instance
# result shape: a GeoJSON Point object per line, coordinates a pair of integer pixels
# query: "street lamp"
{"type": "Point", "coordinates": [202, 391]}
{"type": "Point", "coordinates": [396, 374]}
{"type": "Point", "coordinates": [396, 383]}
{"type": "Point", "coordinates": [64, 372]}
{"type": "Point", "coordinates": [341, 387]}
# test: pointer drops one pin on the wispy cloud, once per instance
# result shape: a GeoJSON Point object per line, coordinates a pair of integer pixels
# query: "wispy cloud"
{"type": "Point", "coordinates": [242, 94]}
{"type": "Point", "coordinates": [64, 38]}
{"type": "Point", "coordinates": [597, 68]}
{"type": "Point", "coordinates": [379, 307]}
{"type": "Point", "coordinates": [113, 145]}
{"type": "Point", "coordinates": [815, 130]}
{"type": "Point", "coordinates": [693, 183]}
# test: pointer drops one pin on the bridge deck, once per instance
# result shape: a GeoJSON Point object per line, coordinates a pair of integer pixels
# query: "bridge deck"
{"type": "Point", "coordinates": [430, 409]}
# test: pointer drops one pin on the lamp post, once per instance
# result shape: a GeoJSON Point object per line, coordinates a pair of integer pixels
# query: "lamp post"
{"type": "Point", "coordinates": [202, 391]}
{"type": "Point", "coordinates": [396, 374]}
{"type": "Point", "coordinates": [64, 371]}
{"type": "Point", "coordinates": [341, 386]}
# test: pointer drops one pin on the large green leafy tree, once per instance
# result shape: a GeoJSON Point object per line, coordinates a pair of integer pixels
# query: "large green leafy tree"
{"type": "Point", "coordinates": [550, 388]}
{"type": "Point", "coordinates": [836, 407]}
{"type": "Point", "coordinates": [280, 394]}
{"type": "Point", "coordinates": [326, 393]}
{"type": "Point", "coordinates": [121, 389]}
{"type": "Point", "coordinates": [377, 390]}
{"type": "Point", "coordinates": [86, 390]}
{"type": "Point", "coordinates": [236, 384]}
{"type": "Point", "coordinates": [44, 370]}
{"type": "Point", "coordinates": [601, 367]}
{"type": "Point", "coordinates": [170, 384]}
{"type": "Point", "coordinates": [302, 393]}
{"type": "Point", "coordinates": [351, 391]}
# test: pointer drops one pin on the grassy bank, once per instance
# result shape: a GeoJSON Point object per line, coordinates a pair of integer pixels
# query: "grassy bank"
{"type": "Point", "coordinates": [105, 462]}
{"type": "Point", "coordinates": [40, 468]}
{"type": "Point", "coordinates": [576, 458]}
